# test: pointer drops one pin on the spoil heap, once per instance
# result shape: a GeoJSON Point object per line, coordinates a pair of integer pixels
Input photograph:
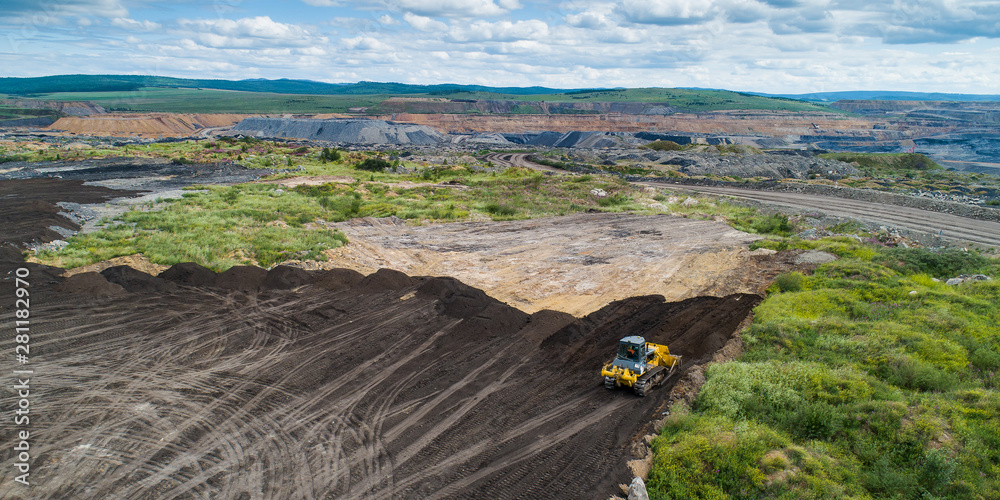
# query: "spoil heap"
{"type": "Point", "coordinates": [348, 131]}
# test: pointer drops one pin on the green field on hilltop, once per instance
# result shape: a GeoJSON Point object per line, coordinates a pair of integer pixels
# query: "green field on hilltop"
{"type": "Point", "coordinates": [686, 99]}
{"type": "Point", "coordinates": [181, 100]}
{"type": "Point", "coordinates": [154, 93]}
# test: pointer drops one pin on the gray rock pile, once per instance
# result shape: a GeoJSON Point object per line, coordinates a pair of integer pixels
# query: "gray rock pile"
{"type": "Point", "coordinates": [348, 131]}
{"type": "Point", "coordinates": [770, 166]}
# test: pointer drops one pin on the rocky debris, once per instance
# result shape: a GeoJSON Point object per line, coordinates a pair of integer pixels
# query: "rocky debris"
{"type": "Point", "coordinates": [135, 281]}
{"type": "Point", "coordinates": [967, 278]}
{"type": "Point", "coordinates": [600, 193]}
{"type": "Point", "coordinates": [747, 166]}
{"type": "Point", "coordinates": [242, 278]}
{"type": "Point", "coordinates": [350, 131]}
{"type": "Point", "coordinates": [815, 257]}
{"type": "Point", "coordinates": [637, 490]}
{"type": "Point", "coordinates": [91, 284]}
{"type": "Point", "coordinates": [189, 273]}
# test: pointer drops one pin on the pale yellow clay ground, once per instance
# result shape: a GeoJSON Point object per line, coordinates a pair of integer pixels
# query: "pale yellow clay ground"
{"type": "Point", "coordinates": [575, 264]}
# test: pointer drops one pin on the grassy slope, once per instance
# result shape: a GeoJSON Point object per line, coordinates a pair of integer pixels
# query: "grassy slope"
{"type": "Point", "coordinates": [865, 380]}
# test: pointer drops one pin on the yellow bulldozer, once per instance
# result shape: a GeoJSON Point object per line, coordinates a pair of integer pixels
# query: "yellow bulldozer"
{"type": "Point", "coordinates": [640, 365]}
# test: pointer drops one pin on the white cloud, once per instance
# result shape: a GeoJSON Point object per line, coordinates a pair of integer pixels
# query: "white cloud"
{"type": "Point", "coordinates": [425, 24]}
{"type": "Point", "coordinates": [55, 12]}
{"type": "Point", "coordinates": [364, 43]}
{"type": "Point", "coordinates": [132, 24]}
{"type": "Point", "coordinates": [667, 12]}
{"type": "Point", "coordinates": [248, 32]}
{"type": "Point", "coordinates": [590, 20]}
{"type": "Point", "coordinates": [451, 8]}
{"type": "Point", "coordinates": [388, 20]}
{"type": "Point", "coordinates": [500, 31]}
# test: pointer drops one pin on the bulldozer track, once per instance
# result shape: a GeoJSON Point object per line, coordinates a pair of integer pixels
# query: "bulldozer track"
{"type": "Point", "coordinates": [209, 394]}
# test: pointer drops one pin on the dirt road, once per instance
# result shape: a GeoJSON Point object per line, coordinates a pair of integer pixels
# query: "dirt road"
{"type": "Point", "coordinates": [519, 160]}
{"type": "Point", "coordinates": [950, 227]}
{"type": "Point", "coordinates": [953, 228]}
{"type": "Point", "coordinates": [388, 387]}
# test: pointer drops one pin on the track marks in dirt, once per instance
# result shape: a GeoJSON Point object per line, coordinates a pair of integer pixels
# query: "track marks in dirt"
{"type": "Point", "coordinates": [316, 394]}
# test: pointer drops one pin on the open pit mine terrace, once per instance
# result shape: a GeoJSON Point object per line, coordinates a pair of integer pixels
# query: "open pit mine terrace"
{"type": "Point", "coordinates": [287, 383]}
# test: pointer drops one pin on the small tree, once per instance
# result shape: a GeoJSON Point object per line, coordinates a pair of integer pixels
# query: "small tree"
{"type": "Point", "coordinates": [373, 165]}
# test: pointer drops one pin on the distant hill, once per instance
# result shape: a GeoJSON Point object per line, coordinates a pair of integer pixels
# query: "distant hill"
{"type": "Point", "coordinates": [884, 95]}
{"type": "Point", "coordinates": [118, 83]}
{"type": "Point", "coordinates": [137, 93]}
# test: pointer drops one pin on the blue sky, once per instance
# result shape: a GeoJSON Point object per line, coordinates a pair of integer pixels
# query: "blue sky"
{"type": "Point", "coordinates": [792, 46]}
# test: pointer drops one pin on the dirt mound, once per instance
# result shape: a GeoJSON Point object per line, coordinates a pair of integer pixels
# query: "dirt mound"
{"type": "Point", "coordinates": [338, 279]}
{"type": "Point", "coordinates": [91, 284]}
{"type": "Point", "coordinates": [456, 299]}
{"type": "Point", "coordinates": [143, 125]}
{"type": "Point", "coordinates": [9, 253]}
{"type": "Point", "coordinates": [283, 277]}
{"type": "Point", "coordinates": [189, 273]}
{"type": "Point", "coordinates": [694, 328]}
{"type": "Point", "coordinates": [243, 278]}
{"type": "Point", "coordinates": [136, 281]}
{"type": "Point", "coordinates": [437, 390]}
{"type": "Point", "coordinates": [382, 280]}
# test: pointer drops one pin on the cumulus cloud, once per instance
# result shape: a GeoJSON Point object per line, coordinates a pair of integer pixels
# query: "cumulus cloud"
{"type": "Point", "coordinates": [667, 12]}
{"type": "Point", "coordinates": [454, 8]}
{"type": "Point", "coordinates": [422, 23]}
{"type": "Point", "coordinates": [500, 31]}
{"type": "Point", "coordinates": [54, 12]}
{"type": "Point", "coordinates": [132, 24]}
{"type": "Point", "coordinates": [258, 31]}
{"type": "Point", "coordinates": [590, 20]}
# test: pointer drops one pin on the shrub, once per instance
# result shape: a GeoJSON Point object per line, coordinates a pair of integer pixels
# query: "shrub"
{"type": "Point", "coordinates": [789, 282]}
{"type": "Point", "coordinates": [373, 165]}
{"type": "Point", "coordinates": [662, 145]}
{"type": "Point", "coordinates": [494, 208]}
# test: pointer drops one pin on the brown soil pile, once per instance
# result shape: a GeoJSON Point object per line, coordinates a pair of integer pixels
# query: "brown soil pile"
{"type": "Point", "coordinates": [90, 284]}
{"type": "Point", "coordinates": [338, 279]}
{"type": "Point", "coordinates": [381, 280]}
{"type": "Point", "coordinates": [189, 273]}
{"type": "Point", "coordinates": [284, 277]}
{"type": "Point", "coordinates": [135, 281]}
{"type": "Point", "coordinates": [243, 278]}
{"type": "Point", "coordinates": [143, 125]}
{"type": "Point", "coordinates": [398, 387]}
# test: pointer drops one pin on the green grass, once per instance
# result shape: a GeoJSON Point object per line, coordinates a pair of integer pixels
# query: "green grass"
{"type": "Point", "coordinates": [180, 100]}
{"type": "Point", "coordinates": [886, 164]}
{"type": "Point", "coordinates": [206, 100]}
{"type": "Point", "coordinates": [866, 379]}
{"type": "Point", "coordinates": [260, 223]}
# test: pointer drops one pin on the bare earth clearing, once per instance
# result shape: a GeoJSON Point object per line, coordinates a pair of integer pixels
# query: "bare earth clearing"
{"type": "Point", "coordinates": [574, 264]}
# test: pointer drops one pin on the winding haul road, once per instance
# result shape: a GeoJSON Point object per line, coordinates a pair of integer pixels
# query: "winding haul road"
{"type": "Point", "coordinates": [955, 228]}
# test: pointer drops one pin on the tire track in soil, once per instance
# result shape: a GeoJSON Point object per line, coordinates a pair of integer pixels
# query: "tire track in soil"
{"type": "Point", "coordinates": [315, 394]}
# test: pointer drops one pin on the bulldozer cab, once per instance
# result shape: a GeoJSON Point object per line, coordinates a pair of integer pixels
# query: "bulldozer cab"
{"type": "Point", "coordinates": [632, 349]}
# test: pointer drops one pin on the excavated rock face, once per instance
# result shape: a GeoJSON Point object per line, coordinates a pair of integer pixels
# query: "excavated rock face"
{"type": "Point", "coordinates": [339, 130]}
